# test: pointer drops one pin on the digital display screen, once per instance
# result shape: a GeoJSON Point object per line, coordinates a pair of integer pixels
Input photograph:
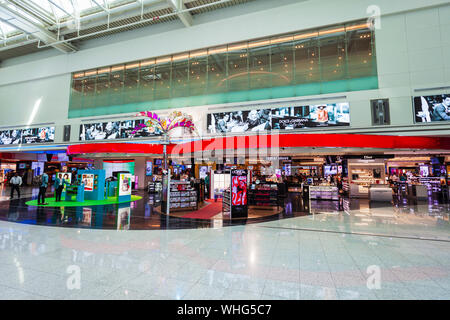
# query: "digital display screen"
{"type": "Point", "coordinates": [124, 184]}
{"type": "Point", "coordinates": [432, 108]}
{"type": "Point", "coordinates": [330, 170]}
{"type": "Point", "coordinates": [88, 181]}
{"type": "Point", "coordinates": [149, 168]}
{"type": "Point", "coordinates": [285, 118]}
{"type": "Point", "coordinates": [114, 130]}
{"type": "Point", "coordinates": [63, 157]}
{"type": "Point", "coordinates": [27, 136]}
{"type": "Point", "coordinates": [117, 165]}
{"type": "Point", "coordinates": [238, 187]}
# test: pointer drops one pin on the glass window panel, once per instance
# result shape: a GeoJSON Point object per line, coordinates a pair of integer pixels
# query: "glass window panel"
{"type": "Point", "coordinates": [359, 54]}
{"type": "Point", "coordinates": [217, 70]}
{"type": "Point", "coordinates": [76, 94]}
{"type": "Point", "coordinates": [103, 85]}
{"type": "Point", "coordinates": [198, 66]}
{"type": "Point", "coordinates": [162, 80]}
{"type": "Point", "coordinates": [282, 63]}
{"type": "Point", "coordinates": [180, 78]}
{"type": "Point", "coordinates": [237, 68]}
{"type": "Point", "coordinates": [307, 68]}
{"type": "Point", "coordinates": [131, 83]}
{"type": "Point", "coordinates": [116, 85]}
{"type": "Point", "coordinates": [332, 56]}
{"type": "Point", "coordinates": [89, 90]}
{"type": "Point", "coordinates": [325, 55]}
{"type": "Point", "coordinates": [146, 81]}
{"type": "Point", "coordinates": [259, 64]}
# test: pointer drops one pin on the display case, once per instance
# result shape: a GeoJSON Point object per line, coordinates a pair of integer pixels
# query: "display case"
{"type": "Point", "coordinates": [226, 203]}
{"type": "Point", "coordinates": [380, 193]}
{"type": "Point", "coordinates": [363, 175]}
{"type": "Point", "coordinates": [154, 187]}
{"type": "Point", "coordinates": [182, 196]}
{"type": "Point", "coordinates": [324, 192]}
{"type": "Point", "coordinates": [263, 195]}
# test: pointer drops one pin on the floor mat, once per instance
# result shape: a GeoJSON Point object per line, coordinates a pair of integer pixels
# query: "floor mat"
{"type": "Point", "coordinates": [207, 212]}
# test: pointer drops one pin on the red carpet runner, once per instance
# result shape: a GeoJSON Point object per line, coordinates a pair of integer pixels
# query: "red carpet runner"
{"type": "Point", "coordinates": [207, 212]}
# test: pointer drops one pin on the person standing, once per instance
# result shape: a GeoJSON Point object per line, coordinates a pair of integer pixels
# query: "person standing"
{"type": "Point", "coordinates": [15, 182]}
{"type": "Point", "coordinates": [441, 111]}
{"type": "Point", "coordinates": [59, 186]}
{"type": "Point", "coordinates": [43, 188]}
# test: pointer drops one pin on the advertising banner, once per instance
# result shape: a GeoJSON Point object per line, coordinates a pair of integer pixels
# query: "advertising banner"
{"type": "Point", "coordinates": [239, 208]}
{"type": "Point", "coordinates": [38, 135]}
{"type": "Point", "coordinates": [240, 121]}
{"type": "Point", "coordinates": [322, 115]}
{"type": "Point", "coordinates": [27, 136]}
{"type": "Point", "coordinates": [124, 184]}
{"type": "Point", "coordinates": [285, 118]}
{"type": "Point", "coordinates": [88, 181]}
{"type": "Point", "coordinates": [432, 108]}
{"type": "Point", "coordinates": [149, 168]}
{"type": "Point", "coordinates": [67, 177]}
{"type": "Point", "coordinates": [114, 130]}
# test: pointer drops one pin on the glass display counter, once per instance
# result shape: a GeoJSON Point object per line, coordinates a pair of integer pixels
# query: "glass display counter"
{"type": "Point", "coordinates": [324, 192]}
{"type": "Point", "coordinates": [381, 193]}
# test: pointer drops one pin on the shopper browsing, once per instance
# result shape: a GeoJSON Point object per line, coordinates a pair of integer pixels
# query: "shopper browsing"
{"type": "Point", "coordinates": [15, 182]}
{"type": "Point", "coordinates": [43, 188]}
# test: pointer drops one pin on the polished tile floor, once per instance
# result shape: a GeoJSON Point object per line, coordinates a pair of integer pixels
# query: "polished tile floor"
{"type": "Point", "coordinates": [357, 251]}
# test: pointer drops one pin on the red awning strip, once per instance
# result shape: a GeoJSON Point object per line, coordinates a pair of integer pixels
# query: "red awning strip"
{"type": "Point", "coordinates": [272, 141]}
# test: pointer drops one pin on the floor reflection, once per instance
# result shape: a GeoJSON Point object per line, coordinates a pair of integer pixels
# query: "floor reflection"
{"type": "Point", "coordinates": [141, 215]}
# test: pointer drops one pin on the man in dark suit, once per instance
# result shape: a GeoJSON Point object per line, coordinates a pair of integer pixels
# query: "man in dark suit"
{"type": "Point", "coordinates": [440, 110]}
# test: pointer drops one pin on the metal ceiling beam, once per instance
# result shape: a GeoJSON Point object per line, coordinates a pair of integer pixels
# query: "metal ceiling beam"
{"type": "Point", "coordinates": [100, 6]}
{"type": "Point", "coordinates": [130, 10]}
{"type": "Point", "coordinates": [34, 10]}
{"type": "Point", "coordinates": [184, 16]}
{"type": "Point", "coordinates": [60, 8]}
{"type": "Point", "coordinates": [19, 21]}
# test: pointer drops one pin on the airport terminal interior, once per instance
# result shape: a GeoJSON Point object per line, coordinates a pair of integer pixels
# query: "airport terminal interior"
{"type": "Point", "coordinates": [224, 150]}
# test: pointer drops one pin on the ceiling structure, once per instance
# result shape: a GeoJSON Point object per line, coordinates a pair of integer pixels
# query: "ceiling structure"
{"type": "Point", "coordinates": [28, 26]}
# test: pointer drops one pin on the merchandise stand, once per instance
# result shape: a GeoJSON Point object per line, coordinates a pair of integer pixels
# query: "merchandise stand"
{"type": "Point", "coordinates": [182, 196]}
{"type": "Point", "coordinates": [94, 183]}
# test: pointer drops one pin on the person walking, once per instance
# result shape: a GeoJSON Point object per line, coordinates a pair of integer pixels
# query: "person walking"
{"type": "Point", "coordinates": [15, 182]}
{"type": "Point", "coordinates": [43, 189]}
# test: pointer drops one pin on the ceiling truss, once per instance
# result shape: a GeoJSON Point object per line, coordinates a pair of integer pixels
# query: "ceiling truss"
{"type": "Point", "coordinates": [29, 25]}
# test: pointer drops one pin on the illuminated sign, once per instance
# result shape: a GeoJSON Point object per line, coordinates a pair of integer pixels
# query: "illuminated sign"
{"type": "Point", "coordinates": [283, 118]}
{"type": "Point", "coordinates": [239, 185]}
{"type": "Point", "coordinates": [27, 136]}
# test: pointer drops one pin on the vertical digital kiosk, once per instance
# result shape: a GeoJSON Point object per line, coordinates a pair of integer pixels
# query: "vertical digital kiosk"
{"type": "Point", "coordinates": [239, 183]}
{"type": "Point", "coordinates": [123, 186]}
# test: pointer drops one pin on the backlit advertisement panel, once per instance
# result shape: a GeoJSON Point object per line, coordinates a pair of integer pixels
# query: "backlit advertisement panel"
{"type": "Point", "coordinates": [124, 184]}
{"type": "Point", "coordinates": [88, 181]}
{"type": "Point", "coordinates": [283, 118]}
{"type": "Point", "coordinates": [114, 130]}
{"type": "Point", "coordinates": [27, 136]}
{"type": "Point", "coordinates": [239, 193]}
{"type": "Point", "coordinates": [432, 108]}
